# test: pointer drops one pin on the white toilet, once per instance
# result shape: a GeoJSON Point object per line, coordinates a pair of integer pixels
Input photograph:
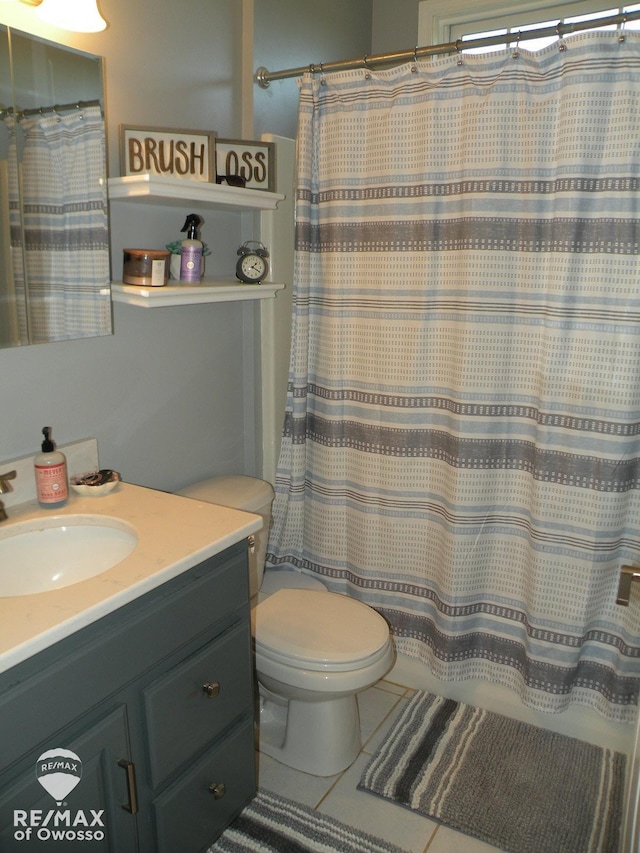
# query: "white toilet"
{"type": "Point", "coordinates": [315, 649]}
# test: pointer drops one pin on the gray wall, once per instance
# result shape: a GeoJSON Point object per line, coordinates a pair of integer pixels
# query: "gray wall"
{"type": "Point", "coordinates": [292, 35]}
{"type": "Point", "coordinates": [171, 395]}
{"type": "Point", "coordinates": [395, 25]}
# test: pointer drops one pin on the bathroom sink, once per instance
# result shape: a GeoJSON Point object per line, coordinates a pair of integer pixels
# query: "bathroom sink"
{"type": "Point", "coordinates": [44, 554]}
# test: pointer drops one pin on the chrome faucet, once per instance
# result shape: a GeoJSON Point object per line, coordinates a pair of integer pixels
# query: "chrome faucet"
{"type": "Point", "coordinates": [5, 486]}
{"type": "Point", "coordinates": [628, 574]}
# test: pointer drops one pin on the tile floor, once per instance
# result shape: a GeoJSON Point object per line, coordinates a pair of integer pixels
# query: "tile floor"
{"type": "Point", "coordinates": [338, 795]}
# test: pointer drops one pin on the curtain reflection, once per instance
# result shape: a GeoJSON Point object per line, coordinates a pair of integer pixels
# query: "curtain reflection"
{"type": "Point", "coordinates": [65, 224]}
{"type": "Point", "coordinates": [14, 326]}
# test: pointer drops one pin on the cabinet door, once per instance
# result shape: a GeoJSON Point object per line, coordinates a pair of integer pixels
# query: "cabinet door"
{"type": "Point", "coordinates": [90, 817]}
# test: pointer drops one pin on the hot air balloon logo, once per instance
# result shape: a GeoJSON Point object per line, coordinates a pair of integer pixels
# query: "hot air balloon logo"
{"type": "Point", "coordinates": [58, 771]}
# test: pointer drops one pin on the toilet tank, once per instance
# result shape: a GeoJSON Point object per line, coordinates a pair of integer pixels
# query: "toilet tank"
{"type": "Point", "coordinates": [245, 493]}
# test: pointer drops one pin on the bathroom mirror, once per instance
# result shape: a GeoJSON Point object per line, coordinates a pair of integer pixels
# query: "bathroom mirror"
{"type": "Point", "coordinates": [54, 226]}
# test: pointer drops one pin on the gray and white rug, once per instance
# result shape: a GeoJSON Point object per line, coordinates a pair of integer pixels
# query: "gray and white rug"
{"type": "Point", "coordinates": [513, 785]}
{"type": "Point", "coordinates": [273, 824]}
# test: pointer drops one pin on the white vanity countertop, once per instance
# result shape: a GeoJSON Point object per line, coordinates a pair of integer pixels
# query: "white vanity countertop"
{"type": "Point", "coordinates": [175, 533]}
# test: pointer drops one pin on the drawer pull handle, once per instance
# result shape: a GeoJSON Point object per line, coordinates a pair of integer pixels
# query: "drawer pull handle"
{"type": "Point", "coordinates": [252, 543]}
{"type": "Point", "coordinates": [211, 688]}
{"type": "Point", "coordinates": [218, 790]}
{"type": "Point", "coordinates": [132, 794]}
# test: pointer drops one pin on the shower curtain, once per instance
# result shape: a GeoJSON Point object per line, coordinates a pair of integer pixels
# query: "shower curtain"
{"type": "Point", "coordinates": [66, 230]}
{"type": "Point", "coordinates": [15, 325]}
{"type": "Point", "coordinates": [460, 448]}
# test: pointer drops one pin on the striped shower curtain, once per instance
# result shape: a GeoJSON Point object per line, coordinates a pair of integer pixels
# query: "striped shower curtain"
{"type": "Point", "coordinates": [15, 317]}
{"type": "Point", "coordinates": [66, 226]}
{"type": "Point", "coordinates": [461, 439]}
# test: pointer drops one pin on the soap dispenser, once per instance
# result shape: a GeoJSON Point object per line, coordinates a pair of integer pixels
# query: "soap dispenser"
{"type": "Point", "coordinates": [51, 474]}
{"type": "Point", "coordinates": [191, 251]}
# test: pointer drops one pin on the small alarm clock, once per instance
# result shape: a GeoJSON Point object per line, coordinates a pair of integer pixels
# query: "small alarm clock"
{"type": "Point", "coordinates": [252, 265]}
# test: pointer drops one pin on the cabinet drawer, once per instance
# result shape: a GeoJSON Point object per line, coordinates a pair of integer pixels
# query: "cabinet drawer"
{"type": "Point", "coordinates": [189, 816]}
{"type": "Point", "coordinates": [186, 708]}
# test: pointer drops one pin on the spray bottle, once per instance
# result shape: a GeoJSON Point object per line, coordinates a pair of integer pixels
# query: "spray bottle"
{"type": "Point", "coordinates": [191, 252]}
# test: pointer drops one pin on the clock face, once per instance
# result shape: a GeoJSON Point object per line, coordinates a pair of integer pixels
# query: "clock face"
{"type": "Point", "coordinates": [253, 267]}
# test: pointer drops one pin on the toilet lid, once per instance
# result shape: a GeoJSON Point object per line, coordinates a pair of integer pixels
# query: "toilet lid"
{"type": "Point", "coordinates": [320, 626]}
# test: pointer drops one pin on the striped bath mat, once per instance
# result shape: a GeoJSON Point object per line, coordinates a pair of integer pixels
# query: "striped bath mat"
{"type": "Point", "coordinates": [513, 785]}
{"type": "Point", "coordinates": [272, 824]}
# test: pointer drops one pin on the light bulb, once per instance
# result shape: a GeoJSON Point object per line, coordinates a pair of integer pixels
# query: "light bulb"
{"type": "Point", "coordinates": [79, 16]}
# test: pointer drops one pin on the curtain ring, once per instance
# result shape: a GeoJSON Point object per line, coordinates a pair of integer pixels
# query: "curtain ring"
{"type": "Point", "coordinates": [561, 45]}
{"type": "Point", "coordinates": [621, 35]}
{"type": "Point", "coordinates": [459, 50]}
{"type": "Point", "coordinates": [414, 67]}
{"type": "Point", "coordinates": [516, 51]}
{"type": "Point", "coordinates": [323, 79]}
{"type": "Point", "coordinates": [367, 73]}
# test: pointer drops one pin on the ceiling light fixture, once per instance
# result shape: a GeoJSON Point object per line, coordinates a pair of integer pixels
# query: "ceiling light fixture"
{"type": "Point", "coordinates": [79, 16]}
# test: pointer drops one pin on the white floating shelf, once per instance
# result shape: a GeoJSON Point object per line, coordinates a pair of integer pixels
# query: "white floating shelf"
{"type": "Point", "coordinates": [174, 191]}
{"type": "Point", "coordinates": [222, 290]}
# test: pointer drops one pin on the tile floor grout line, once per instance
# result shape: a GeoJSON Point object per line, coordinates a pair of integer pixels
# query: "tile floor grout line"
{"type": "Point", "coordinates": [406, 691]}
{"type": "Point", "coordinates": [430, 841]}
{"type": "Point", "coordinates": [363, 748]}
{"type": "Point", "coordinates": [403, 687]}
{"type": "Point", "coordinates": [330, 789]}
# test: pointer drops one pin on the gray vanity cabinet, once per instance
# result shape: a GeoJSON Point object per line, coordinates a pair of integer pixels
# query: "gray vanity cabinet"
{"type": "Point", "coordinates": [156, 700]}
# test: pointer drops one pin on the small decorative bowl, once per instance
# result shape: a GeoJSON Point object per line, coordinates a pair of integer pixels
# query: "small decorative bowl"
{"type": "Point", "coordinates": [95, 483]}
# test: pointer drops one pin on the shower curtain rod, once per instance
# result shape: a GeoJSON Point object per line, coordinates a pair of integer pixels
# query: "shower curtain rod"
{"type": "Point", "coordinates": [56, 108]}
{"type": "Point", "coordinates": [263, 77]}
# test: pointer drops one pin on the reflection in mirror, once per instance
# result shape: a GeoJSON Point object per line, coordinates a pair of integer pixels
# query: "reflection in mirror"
{"type": "Point", "coordinates": [54, 228]}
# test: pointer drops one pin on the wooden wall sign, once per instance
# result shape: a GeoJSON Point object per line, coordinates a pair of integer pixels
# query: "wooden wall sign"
{"type": "Point", "coordinates": [252, 161]}
{"type": "Point", "coordinates": [167, 152]}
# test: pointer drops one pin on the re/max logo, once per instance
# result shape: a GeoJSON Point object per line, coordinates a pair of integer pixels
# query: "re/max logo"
{"type": "Point", "coordinates": [56, 817]}
{"type": "Point", "coordinates": [58, 825]}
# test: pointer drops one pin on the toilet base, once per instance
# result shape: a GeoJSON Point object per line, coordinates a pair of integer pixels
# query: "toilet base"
{"type": "Point", "coordinates": [320, 737]}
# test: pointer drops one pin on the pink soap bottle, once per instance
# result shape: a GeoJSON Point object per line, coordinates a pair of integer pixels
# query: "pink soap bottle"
{"type": "Point", "coordinates": [51, 474]}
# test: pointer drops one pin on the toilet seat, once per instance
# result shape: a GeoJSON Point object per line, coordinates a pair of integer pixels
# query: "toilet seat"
{"type": "Point", "coordinates": [266, 656]}
{"type": "Point", "coordinates": [319, 630]}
